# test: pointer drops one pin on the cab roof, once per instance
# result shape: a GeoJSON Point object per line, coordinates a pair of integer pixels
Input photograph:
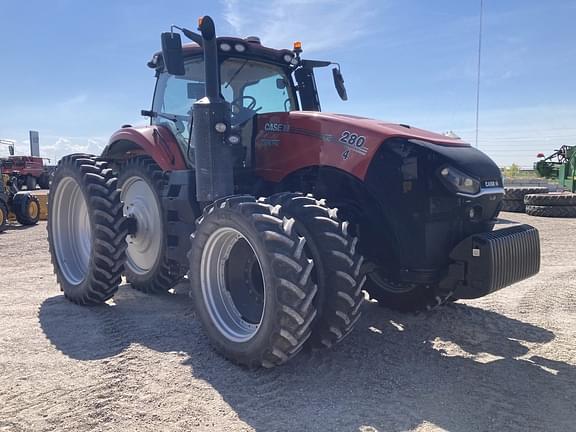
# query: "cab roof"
{"type": "Point", "coordinates": [252, 49]}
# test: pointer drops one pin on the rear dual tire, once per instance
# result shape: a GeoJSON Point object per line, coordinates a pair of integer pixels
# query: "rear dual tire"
{"type": "Point", "coordinates": [86, 234]}
{"type": "Point", "coordinates": [147, 267]}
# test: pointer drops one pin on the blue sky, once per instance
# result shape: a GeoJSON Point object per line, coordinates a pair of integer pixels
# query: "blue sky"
{"type": "Point", "coordinates": [76, 70]}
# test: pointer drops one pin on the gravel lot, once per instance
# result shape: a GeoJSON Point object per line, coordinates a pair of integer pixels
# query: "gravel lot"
{"type": "Point", "coordinates": [141, 363]}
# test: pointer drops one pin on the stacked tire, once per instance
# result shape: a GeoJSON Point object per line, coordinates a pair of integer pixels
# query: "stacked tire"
{"type": "Point", "coordinates": [514, 197]}
{"type": "Point", "coordinates": [562, 205]}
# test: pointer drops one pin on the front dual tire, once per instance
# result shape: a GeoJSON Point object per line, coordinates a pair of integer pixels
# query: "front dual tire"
{"type": "Point", "coordinates": [270, 276]}
{"type": "Point", "coordinates": [251, 282]}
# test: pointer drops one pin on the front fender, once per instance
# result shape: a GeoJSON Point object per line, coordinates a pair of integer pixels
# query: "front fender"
{"type": "Point", "coordinates": [156, 141]}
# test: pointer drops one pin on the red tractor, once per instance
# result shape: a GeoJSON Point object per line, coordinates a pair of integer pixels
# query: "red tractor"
{"type": "Point", "coordinates": [280, 215]}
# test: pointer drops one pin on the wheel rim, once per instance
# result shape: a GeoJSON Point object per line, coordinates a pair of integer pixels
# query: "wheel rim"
{"type": "Point", "coordinates": [144, 246]}
{"type": "Point", "coordinates": [387, 285]}
{"type": "Point", "coordinates": [232, 284]}
{"type": "Point", "coordinates": [72, 231]}
{"type": "Point", "coordinates": [33, 209]}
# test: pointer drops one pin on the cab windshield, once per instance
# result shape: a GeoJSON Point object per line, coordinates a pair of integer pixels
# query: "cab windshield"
{"type": "Point", "coordinates": [252, 87]}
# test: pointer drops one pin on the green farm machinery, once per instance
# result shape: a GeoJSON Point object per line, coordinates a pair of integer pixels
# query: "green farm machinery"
{"type": "Point", "coordinates": [561, 166]}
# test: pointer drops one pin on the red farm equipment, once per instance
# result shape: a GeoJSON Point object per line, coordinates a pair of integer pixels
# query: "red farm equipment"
{"type": "Point", "coordinates": [279, 214]}
{"type": "Point", "coordinates": [28, 171]}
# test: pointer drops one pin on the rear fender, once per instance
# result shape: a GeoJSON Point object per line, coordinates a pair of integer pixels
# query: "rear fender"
{"type": "Point", "coordinates": [156, 141]}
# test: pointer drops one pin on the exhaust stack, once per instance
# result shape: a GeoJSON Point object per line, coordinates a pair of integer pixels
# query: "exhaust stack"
{"type": "Point", "coordinates": [212, 122]}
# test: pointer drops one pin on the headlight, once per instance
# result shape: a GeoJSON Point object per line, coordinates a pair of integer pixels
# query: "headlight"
{"type": "Point", "coordinates": [458, 181]}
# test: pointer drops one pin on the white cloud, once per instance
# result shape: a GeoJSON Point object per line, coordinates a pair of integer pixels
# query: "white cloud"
{"type": "Point", "coordinates": [62, 146]}
{"type": "Point", "coordinates": [319, 24]}
{"type": "Point", "coordinates": [73, 101]}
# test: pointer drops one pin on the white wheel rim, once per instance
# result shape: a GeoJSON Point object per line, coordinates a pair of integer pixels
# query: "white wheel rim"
{"type": "Point", "coordinates": [216, 291]}
{"type": "Point", "coordinates": [72, 232]}
{"type": "Point", "coordinates": [140, 203]}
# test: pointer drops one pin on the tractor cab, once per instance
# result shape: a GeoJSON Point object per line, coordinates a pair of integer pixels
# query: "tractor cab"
{"type": "Point", "coordinates": [254, 80]}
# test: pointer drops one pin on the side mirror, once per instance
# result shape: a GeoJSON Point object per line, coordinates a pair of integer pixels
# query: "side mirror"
{"type": "Point", "coordinates": [172, 53]}
{"type": "Point", "coordinates": [339, 84]}
{"type": "Point", "coordinates": [11, 149]}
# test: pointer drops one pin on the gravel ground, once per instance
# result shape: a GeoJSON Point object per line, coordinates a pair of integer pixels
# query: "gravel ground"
{"type": "Point", "coordinates": [141, 363]}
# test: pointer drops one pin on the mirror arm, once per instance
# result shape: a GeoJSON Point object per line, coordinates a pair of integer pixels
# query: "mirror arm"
{"type": "Point", "coordinates": [194, 37]}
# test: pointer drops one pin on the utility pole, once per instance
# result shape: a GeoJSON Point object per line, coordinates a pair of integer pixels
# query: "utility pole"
{"type": "Point", "coordinates": [479, 64]}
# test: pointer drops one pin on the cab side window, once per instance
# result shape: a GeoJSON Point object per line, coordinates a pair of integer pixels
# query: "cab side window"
{"type": "Point", "coordinates": [175, 96]}
{"type": "Point", "coordinates": [270, 93]}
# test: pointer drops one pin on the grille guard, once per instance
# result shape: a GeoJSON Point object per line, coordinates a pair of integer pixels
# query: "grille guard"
{"type": "Point", "coordinates": [487, 262]}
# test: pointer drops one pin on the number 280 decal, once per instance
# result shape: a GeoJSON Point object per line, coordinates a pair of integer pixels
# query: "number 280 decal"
{"type": "Point", "coordinates": [354, 142]}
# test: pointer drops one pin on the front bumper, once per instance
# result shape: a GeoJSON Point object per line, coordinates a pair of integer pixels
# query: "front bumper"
{"type": "Point", "coordinates": [486, 262]}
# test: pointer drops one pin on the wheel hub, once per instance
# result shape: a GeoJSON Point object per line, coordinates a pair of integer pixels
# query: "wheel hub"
{"type": "Point", "coordinates": [145, 238]}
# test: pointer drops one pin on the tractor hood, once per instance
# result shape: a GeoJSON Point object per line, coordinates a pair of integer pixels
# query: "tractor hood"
{"type": "Point", "coordinates": [387, 130]}
{"type": "Point", "coordinates": [286, 142]}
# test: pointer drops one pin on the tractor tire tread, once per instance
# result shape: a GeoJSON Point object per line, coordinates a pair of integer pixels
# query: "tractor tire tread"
{"type": "Point", "coordinates": [514, 206]}
{"type": "Point", "coordinates": [552, 211]}
{"type": "Point", "coordinates": [336, 261]}
{"type": "Point", "coordinates": [166, 275]}
{"type": "Point", "coordinates": [104, 275]}
{"type": "Point", "coordinates": [518, 193]}
{"type": "Point", "coordinates": [289, 270]}
{"type": "Point", "coordinates": [551, 199]}
{"type": "Point", "coordinates": [20, 204]}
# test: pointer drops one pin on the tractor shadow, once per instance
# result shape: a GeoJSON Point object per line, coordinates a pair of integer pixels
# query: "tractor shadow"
{"type": "Point", "coordinates": [461, 368]}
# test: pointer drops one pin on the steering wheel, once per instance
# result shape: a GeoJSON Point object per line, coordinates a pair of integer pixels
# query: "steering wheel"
{"type": "Point", "coordinates": [239, 103]}
{"type": "Point", "coordinates": [242, 114]}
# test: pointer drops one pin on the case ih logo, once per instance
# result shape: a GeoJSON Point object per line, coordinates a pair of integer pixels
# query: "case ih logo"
{"type": "Point", "coordinates": [277, 127]}
{"type": "Point", "coordinates": [491, 183]}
